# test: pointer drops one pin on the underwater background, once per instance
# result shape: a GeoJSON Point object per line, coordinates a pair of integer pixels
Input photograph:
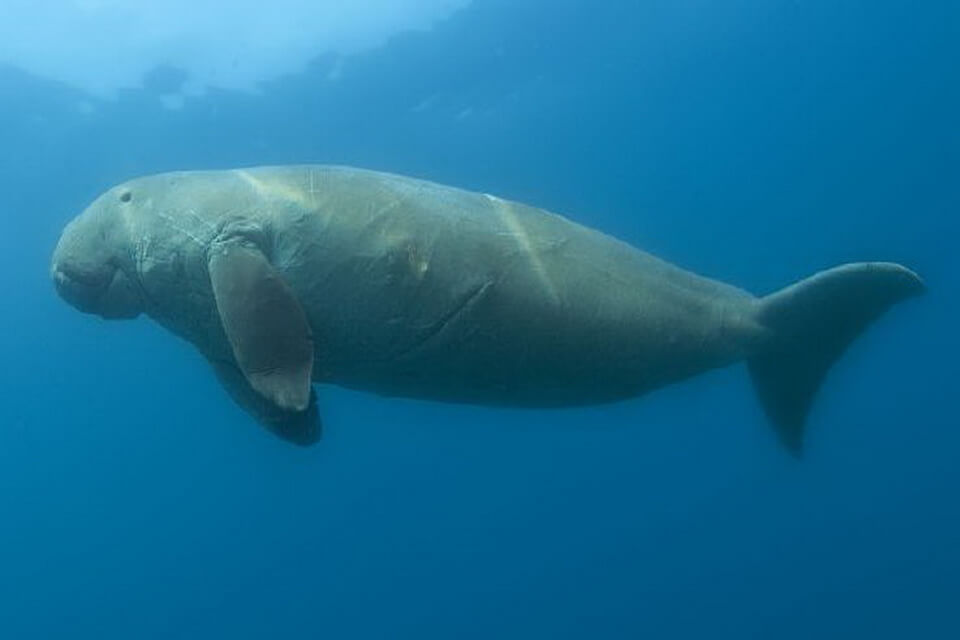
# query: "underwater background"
{"type": "Point", "coordinates": [752, 142]}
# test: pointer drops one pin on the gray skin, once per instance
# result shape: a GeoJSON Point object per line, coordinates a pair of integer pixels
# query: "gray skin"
{"type": "Point", "coordinates": [287, 276]}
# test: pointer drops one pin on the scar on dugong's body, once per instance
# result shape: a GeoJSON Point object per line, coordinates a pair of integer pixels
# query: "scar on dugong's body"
{"type": "Point", "coordinates": [288, 276]}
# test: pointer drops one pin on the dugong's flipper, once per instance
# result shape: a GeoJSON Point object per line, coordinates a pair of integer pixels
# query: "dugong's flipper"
{"type": "Point", "coordinates": [264, 322]}
{"type": "Point", "coordinates": [299, 427]}
{"type": "Point", "coordinates": [811, 323]}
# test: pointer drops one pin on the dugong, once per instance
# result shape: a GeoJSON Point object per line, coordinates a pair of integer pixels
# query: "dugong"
{"type": "Point", "coordinates": [283, 277]}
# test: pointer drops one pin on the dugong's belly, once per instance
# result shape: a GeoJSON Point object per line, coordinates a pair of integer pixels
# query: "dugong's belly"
{"type": "Point", "coordinates": [420, 290]}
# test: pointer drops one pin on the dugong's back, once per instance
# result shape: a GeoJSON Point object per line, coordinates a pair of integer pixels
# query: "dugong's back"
{"type": "Point", "coordinates": [417, 289]}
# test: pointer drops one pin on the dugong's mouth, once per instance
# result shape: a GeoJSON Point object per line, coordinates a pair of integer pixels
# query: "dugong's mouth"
{"type": "Point", "coordinates": [106, 292]}
{"type": "Point", "coordinates": [82, 289]}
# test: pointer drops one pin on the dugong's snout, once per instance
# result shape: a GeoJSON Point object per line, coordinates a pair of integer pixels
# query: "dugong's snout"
{"type": "Point", "coordinates": [86, 276]}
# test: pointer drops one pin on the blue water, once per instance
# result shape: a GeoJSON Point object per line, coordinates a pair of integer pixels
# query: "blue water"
{"type": "Point", "coordinates": [754, 142]}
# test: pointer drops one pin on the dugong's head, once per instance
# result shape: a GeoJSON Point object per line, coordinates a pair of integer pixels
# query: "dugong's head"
{"type": "Point", "coordinates": [94, 266]}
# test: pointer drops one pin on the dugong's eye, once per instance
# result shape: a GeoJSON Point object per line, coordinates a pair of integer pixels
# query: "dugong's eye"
{"type": "Point", "coordinates": [126, 196]}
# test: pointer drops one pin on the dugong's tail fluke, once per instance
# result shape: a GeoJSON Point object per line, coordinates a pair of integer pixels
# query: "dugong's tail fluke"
{"type": "Point", "coordinates": [812, 322]}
